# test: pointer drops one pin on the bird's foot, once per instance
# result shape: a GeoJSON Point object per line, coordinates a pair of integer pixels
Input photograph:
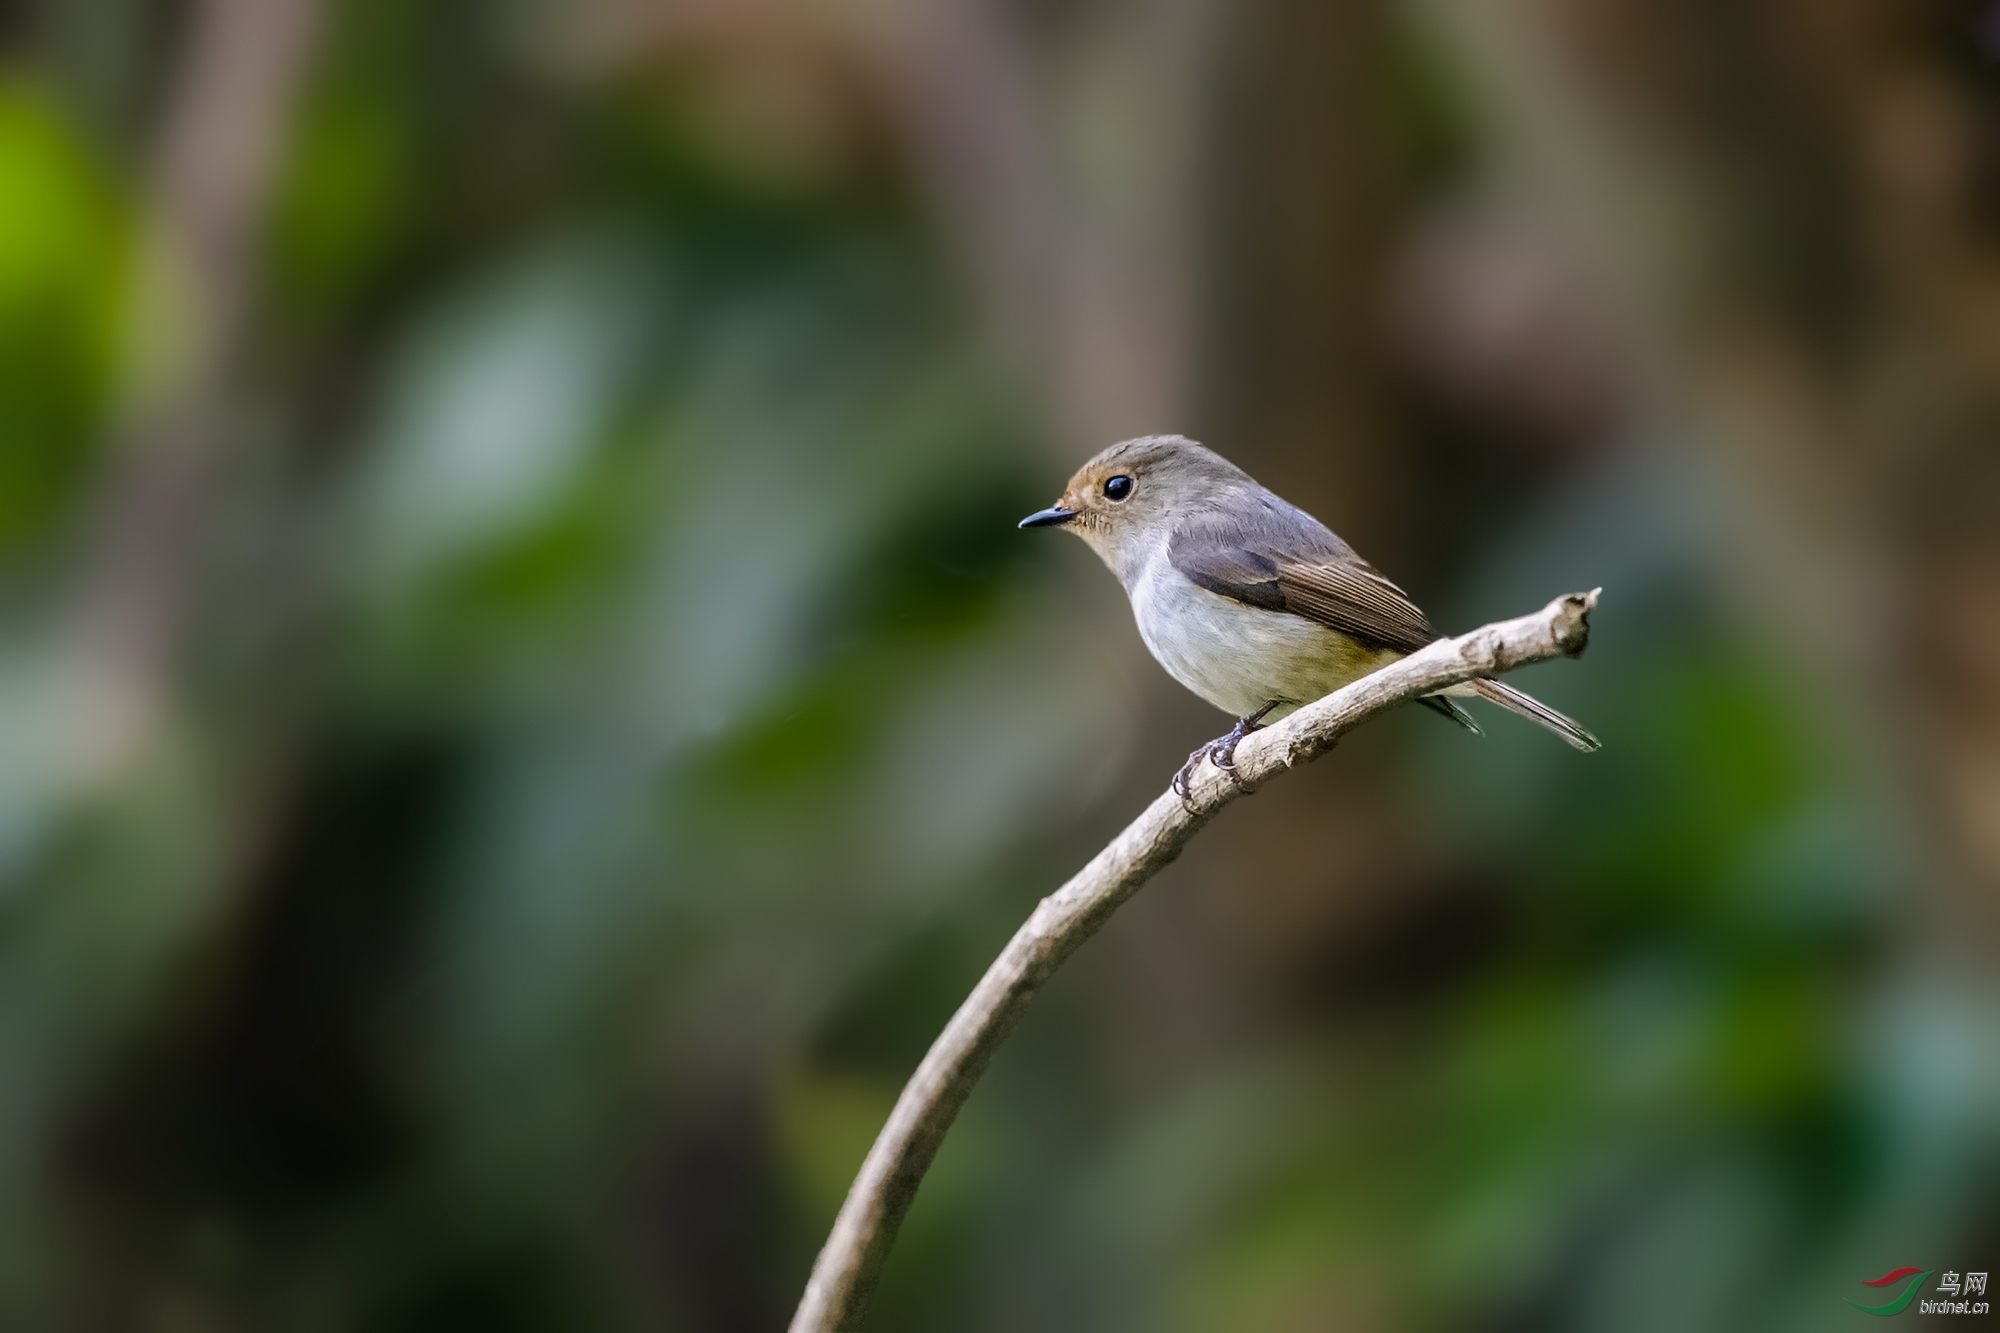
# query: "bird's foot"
{"type": "Point", "coordinates": [1222, 753]}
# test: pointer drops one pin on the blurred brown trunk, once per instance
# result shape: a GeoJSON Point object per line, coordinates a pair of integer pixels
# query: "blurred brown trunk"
{"type": "Point", "coordinates": [1083, 265]}
{"type": "Point", "coordinates": [1302, 213]}
{"type": "Point", "coordinates": [219, 147]}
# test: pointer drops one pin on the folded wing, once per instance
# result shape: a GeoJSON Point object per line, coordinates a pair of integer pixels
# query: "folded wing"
{"type": "Point", "coordinates": [1268, 553]}
{"type": "Point", "coordinates": [1282, 559]}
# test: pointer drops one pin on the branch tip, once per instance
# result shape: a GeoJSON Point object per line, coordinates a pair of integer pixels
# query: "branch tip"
{"type": "Point", "coordinates": [1573, 622]}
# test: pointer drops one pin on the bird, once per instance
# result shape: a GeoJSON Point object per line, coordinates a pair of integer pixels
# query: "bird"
{"type": "Point", "coordinates": [1246, 599]}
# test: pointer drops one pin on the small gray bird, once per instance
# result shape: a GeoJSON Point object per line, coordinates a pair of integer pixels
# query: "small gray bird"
{"type": "Point", "coordinates": [1250, 602]}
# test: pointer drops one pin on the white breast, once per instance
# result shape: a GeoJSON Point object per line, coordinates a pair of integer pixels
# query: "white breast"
{"type": "Point", "coordinates": [1239, 657]}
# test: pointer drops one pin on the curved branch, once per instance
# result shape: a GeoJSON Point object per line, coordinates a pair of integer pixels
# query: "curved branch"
{"type": "Point", "coordinates": [855, 1250]}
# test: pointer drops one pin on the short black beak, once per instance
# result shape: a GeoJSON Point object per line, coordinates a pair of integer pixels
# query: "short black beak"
{"type": "Point", "coordinates": [1047, 518]}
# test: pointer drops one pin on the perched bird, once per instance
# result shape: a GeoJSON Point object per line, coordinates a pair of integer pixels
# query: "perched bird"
{"type": "Point", "coordinates": [1247, 600]}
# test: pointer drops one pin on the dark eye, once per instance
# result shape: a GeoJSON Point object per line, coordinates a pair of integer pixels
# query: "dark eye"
{"type": "Point", "coordinates": [1117, 488]}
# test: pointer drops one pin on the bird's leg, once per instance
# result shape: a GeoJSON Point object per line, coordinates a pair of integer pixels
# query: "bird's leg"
{"type": "Point", "coordinates": [1221, 752]}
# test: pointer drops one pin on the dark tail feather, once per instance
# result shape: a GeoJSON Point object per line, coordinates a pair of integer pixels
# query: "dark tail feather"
{"type": "Point", "coordinates": [1439, 704]}
{"type": "Point", "coordinates": [1536, 711]}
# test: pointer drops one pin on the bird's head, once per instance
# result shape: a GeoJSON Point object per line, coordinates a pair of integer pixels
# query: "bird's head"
{"type": "Point", "coordinates": [1135, 491]}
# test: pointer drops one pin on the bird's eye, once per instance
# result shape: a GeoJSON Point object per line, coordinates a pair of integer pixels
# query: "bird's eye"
{"type": "Point", "coordinates": [1118, 487]}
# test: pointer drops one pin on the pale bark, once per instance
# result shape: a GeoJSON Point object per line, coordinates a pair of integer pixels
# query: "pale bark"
{"type": "Point", "coordinates": [848, 1265]}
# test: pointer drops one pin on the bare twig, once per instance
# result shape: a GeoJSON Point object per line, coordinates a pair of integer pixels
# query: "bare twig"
{"type": "Point", "coordinates": [848, 1265]}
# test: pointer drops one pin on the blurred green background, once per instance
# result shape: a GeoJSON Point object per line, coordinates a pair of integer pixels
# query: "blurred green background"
{"type": "Point", "coordinates": [523, 708]}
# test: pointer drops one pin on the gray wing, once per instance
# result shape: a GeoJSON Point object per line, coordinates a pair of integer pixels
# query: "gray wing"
{"type": "Point", "coordinates": [1273, 555]}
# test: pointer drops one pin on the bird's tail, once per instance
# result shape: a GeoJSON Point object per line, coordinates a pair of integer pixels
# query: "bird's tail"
{"type": "Point", "coordinates": [1437, 703]}
{"type": "Point", "coordinates": [1535, 711]}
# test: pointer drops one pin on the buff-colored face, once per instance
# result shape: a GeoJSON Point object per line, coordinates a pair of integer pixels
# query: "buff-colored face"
{"type": "Point", "coordinates": [1130, 488]}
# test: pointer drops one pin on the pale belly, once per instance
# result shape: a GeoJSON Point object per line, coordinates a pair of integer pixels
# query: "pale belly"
{"type": "Point", "coordinates": [1239, 657]}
